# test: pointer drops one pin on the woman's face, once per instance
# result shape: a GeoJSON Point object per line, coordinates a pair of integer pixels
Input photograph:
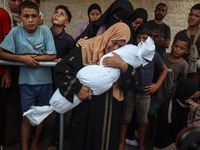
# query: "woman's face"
{"type": "Point", "coordinates": [14, 5]}
{"type": "Point", "coordinates": [137, 23]}
{"type": "Point", "coordinates": [115, 44]}
{"type": "Point", "coordinates": [94, 15]}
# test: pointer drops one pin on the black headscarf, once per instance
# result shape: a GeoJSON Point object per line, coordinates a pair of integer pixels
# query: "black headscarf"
{"type": "Point", "coordinates": [185, 89]}
{"type": "Point", "coordinates": [123, 9]}
{"type": "Point", "coordinates": [93, 6]}
{"type": "Point", "coordinates": [139, 13]}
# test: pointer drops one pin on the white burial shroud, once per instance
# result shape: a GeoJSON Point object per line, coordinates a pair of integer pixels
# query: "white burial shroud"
{"type": "Point", "coordinates": [97, 77]}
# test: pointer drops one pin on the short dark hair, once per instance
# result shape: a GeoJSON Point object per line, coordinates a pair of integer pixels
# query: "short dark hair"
{"type": "Point", "coordinates": [69, 15]}
{"type": "Point", "coordinates": [162, 4]}
{"type": "Point", "coordinates": [184, 38]}
{"type": "Point", "coordinates": [28, 4]}
{"type": "Point", "coordinates": [144, 29]}
{"type": "Point", "coordinates": [196, 6]}
{"type": "Point", "coordinates": [37, 1]}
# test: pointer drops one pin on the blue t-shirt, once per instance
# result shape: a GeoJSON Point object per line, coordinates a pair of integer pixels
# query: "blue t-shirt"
{"type": "Point", "coordinates": [146, 73]}
{"type": "Point", "coordinates": [41, 42]}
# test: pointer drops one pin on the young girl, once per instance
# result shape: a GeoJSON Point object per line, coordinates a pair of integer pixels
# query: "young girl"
{"type": "Point", "coordinates": [94, 13]}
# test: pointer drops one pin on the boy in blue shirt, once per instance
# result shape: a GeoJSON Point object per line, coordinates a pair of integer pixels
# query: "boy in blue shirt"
{"type": "Point", "coordinates": [140, 96]}
{"type": "Point", "coordinates": [29, 44]}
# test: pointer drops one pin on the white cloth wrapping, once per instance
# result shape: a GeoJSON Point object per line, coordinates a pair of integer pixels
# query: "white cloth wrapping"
{"type": "Point", "coordinates": [97, 77]}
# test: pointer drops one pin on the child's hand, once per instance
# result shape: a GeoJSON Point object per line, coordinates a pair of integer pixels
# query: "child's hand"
{"type": "Point", "coordinates": [6, 81]}
{"type": "Point", "coordinates": [151, 89]}
{"type": "Point", "coordinates": [30, 61]}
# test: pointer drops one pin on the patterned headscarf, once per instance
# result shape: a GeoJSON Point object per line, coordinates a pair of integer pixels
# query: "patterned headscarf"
{"type": "Point", "coordinates": [13, 16]}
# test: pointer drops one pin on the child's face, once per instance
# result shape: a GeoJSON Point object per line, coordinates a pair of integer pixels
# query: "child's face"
{"type": "Point", "coordinates": [60, 18]}
{"type": "Point", "coordinates": [14, 5]}
{"type": "Point", "coordinates": [29, 17]}
{"type": "Point", "coordinates": [94, 15]}
{"type": "Point", "coordinates": [141, 37]}
{"type": "Point", "coordinates": [194, 17]}
{"type": "Point", "coordinates": [115, 44]}
{"type": "Point", "coordinates": [179, 48]}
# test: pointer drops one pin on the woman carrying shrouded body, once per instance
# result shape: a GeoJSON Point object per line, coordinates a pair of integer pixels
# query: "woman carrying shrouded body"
{"type": "Point", "coordinates": [96, 121]}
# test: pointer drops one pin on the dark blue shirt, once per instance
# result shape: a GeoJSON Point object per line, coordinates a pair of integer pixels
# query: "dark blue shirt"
{"type": "Point", "coordinates": [63, 42]}
{"type": "Point", "coordinates": [145, 74]}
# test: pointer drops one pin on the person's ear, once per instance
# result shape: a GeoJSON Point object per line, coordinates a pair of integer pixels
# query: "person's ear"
{"type": "Point", "coordinates": [66, 23]}
{"type": "Point", "coordinates": [19, 17]}
{"type": "Point", "coordinates": [188, 50]}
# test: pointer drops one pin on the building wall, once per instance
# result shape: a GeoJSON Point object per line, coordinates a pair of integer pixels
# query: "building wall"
{"type": "Point", "coordinates": [176, 18]}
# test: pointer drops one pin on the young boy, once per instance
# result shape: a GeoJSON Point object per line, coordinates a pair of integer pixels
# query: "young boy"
{"type": "Point", "coordinates": [177, 70]}
{"type": "Point", "coordinates": [60, 19]}
{"type": "Point", "coordinates": [193, 32]}
{"type": "Point", "coordinates": [29, 44]}
{"type": "Point", "coordinates": [37, 2]}
{"type": "Point", "coordinates": [140, 96]}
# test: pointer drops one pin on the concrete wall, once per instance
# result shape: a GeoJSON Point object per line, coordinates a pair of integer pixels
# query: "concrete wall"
{"type": "Point", "coordinates": [176, 18]}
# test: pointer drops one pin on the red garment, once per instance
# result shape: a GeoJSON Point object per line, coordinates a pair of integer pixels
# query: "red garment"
{"type": "Point", "coordinates": [5, 27]}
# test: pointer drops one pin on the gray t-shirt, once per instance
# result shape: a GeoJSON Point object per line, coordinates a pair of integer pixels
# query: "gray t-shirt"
{"type": "Point", "coordinates": [176, 72]}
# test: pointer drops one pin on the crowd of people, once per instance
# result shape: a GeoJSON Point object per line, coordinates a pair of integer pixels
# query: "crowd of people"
{"type": "Point", "coordinates": [163, 94]}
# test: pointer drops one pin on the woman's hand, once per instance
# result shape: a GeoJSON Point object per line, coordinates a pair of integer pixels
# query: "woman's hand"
{"type": "Point", "coordinates": [84, 93]}
{"type": "Point", "coordinates": [193, 105]}
{"type": "Point", "coordinates": [82, 42]}
{"type": "Point", "coordinates": [58, 59]}
{"type": "Point", "coordinates": [115, 62]}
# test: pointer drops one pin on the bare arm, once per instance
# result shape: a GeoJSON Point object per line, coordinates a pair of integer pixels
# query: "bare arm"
{"type": "Point", "coordinates": [160, 41]}
{"type": "Point", "coordinates": [6, 79]}
{"type": "Point", "coordinates": [4, 35]}
{"type": "Point", "coordinates": [154, 86]}
{"type": "Point", "coordinates": [45, 57]}
{"type": "Point", "coordinates": [26, 59]}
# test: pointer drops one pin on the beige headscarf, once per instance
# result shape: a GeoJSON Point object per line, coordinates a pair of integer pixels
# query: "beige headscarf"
{"type": "Point", "coordinates": [13, 16]}
{"type": "Point", "coordinates": [96, 47]}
